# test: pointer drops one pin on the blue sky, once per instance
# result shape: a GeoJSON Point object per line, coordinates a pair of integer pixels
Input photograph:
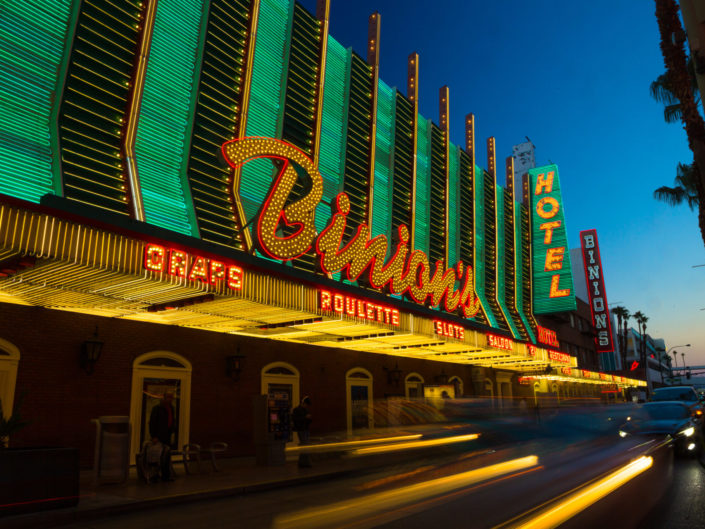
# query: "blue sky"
{"type": "Point", "coordinates": [574, 77]}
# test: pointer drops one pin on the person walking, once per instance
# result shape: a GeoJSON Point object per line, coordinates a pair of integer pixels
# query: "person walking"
{"type": "Point", "coordinates": [302, 422]}
{"type": "Point", "coordinates": [162, 425]}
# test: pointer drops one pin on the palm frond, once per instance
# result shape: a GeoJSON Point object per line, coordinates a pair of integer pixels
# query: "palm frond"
{"type": "Point", "coordinates": [673, 196]}
{"type": "Point", "coordinates": [661, 90]}
{"type": "Point", "coordinates": [672, 113]}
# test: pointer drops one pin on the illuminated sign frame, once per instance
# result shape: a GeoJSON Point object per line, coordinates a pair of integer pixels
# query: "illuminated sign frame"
{"type": "Point", "coordinates": [286, 230]}
{"type": "Point", "coordinates": [594, 279]}
{"type": "Point", "coordinates": [552, 276]}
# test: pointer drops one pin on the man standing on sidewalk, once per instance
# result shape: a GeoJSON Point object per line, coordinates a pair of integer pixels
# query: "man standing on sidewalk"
{"type": "Point", "coordinates": [162, 424]}
{"type": "Point", "coordinates": [302, 422]}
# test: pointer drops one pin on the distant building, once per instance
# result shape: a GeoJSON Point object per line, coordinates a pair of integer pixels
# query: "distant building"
{"type": "Point", "coordinates": [524, 159]}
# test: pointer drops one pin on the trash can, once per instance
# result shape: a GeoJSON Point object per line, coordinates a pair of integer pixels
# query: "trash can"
{"type": "Point", "coordinates": [112, 449]}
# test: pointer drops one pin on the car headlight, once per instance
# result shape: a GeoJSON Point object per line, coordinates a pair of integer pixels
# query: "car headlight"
{"type": "Point", "coordinates": [622, 433]}
{"type": "Point", "coordinates": [688, 431]}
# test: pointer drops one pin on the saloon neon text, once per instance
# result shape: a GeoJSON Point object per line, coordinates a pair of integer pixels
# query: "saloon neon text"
{"type": "Point", "coordinates": [500, 342]}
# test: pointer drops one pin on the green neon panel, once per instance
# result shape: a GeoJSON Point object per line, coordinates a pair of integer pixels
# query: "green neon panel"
{"type": "Point", "coordinates": [453, 203]}
{"type": "Point", "coordinates": [95, 104]}
{"type": "Point", "coordinates": [519, 276]}
{"type": "Point", "coordinates": [334, 125]}
{"type": "Point", "coordinates": [563, 296]}
{"type": "Point", "coordinates": [526, 277]}
{"type": "Point", "coordinates": [480, 249]}
{"type": "Point", "coordinates": [300, 102]}
{"type": "Point", "coordinates": [423, 184]}
{"type": "Point", "coordinates": [32, 42]}
{"type": "Point", "coordinates": [216, 118]}
{"type": "Point", "coordinates": [357, 151]}
{"type": "Point", "coordinates": [501, 265]}
{"type": "Point", "coordinates": [267, 91]}
{"type": "Point", "coordinates": [384, 156]}
{"type": "Point", "coordinates": [437, 196]}
{"type": "Point", "coordinates": [301, 86]}
{"type": "Point", "coordinates": [162, 140]}
{"type": "Point", "coordinates": [403, 163]}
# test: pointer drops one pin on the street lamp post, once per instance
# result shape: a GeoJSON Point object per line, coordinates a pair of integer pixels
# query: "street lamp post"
{"type": "Point", "coordinates": [675, 358]}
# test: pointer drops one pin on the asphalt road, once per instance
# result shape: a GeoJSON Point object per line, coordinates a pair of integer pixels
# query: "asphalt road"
{"type": "Point", "coordinates": [416, 494]}
{"type": "Point", "coordinates": [683, 506]}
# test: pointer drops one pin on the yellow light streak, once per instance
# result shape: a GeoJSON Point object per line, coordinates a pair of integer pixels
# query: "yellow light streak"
{"type": "Point", "coordinates": [579, 501]}
{"type": "Point", "coordinates": [350, 444]}
{"type": "Point", "coordinates": [335, 514]}
{"type": "Point", "coordinates": [416, 444]}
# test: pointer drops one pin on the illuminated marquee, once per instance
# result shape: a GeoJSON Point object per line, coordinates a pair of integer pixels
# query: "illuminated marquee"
{"type": "Point", "coordinates": [500, 342]}
{"type": "Point", "coordinates": [449, 329]}
{"type": "Point", "coordinates": [192, 267]}
{"type": "Point", "coordinates": [547, 336]}
{"type": "Point", "coordinates": [286, 230]}
{"type": "Point", "coordinates": [357, 308]}
{"type": "Point", "coordinates": [553, 280]}
{"type": "Point", "coordinates": [596, 290]}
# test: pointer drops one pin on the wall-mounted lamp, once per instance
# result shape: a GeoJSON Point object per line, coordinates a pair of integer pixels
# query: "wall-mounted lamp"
{"type": "Point", "coordinates": [233, 365]}
{"type": "Point", "coordinates": [90, 352]}
{"type": "Point", "coordinates": [393, 375]}
{"type": "Point", "coordinates": [442, 378]}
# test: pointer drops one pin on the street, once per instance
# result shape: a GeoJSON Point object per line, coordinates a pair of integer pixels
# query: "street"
{"type": "Point", "coordinates": [509, 487]}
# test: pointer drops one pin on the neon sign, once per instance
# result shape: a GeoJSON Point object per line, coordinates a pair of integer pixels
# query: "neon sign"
{"type": "Point", "coordinates": [500, 342]}
{"type": "Point", "coordinates": [596, 290]}
{"type": "Point", "coordinates": [557, 356]}
{"type": "Point", "coordinates": [449, 329]}
{"type": "Point", "coordinates": [192, 267]}
{"type": "Point", "coordinates": [286, 230]}
{"type": "Point", "coordinates": [547, 336]}
{"type": "Point", "coordinates": [553, 280]}
{"type": "Point", "coordinates": [357, 308]}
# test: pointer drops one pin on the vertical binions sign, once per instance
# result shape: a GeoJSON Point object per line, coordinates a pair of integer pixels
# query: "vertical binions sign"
{"type": "Point", "coordinates": [596, 290]}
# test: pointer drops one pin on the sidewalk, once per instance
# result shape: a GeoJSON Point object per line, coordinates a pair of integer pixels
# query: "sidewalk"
{"type": "Point", "coordinates": [236, 476]}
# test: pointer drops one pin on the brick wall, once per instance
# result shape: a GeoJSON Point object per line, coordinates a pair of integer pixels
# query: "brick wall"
{"type": "Point", "coordinates": [60, 399]}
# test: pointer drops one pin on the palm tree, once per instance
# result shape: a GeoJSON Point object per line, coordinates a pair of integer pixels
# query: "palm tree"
{"type": "Point", "coordinates": [662, 90]}
{"type": "Point", "coordinates": [680, 84]}
{"type": "Point", "coordinates": [622, 324]}
{"type": "Point", "coordinates": [641, 320]}
{"type": "Point", "coordinates": [684, 190]}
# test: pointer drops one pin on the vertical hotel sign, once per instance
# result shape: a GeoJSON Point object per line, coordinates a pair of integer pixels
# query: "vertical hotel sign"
{"type": "Point", "coordinates": [552, 277]}
{"type": "Point", "coordinates": [596, 290]}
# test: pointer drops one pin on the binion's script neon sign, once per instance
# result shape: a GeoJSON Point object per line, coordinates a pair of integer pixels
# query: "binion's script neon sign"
{"type": "Point", "coordinates": [286, 230]}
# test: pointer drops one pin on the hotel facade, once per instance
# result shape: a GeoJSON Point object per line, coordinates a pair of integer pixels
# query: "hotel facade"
{"type": "Point", "coordinates": [219, 199]}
